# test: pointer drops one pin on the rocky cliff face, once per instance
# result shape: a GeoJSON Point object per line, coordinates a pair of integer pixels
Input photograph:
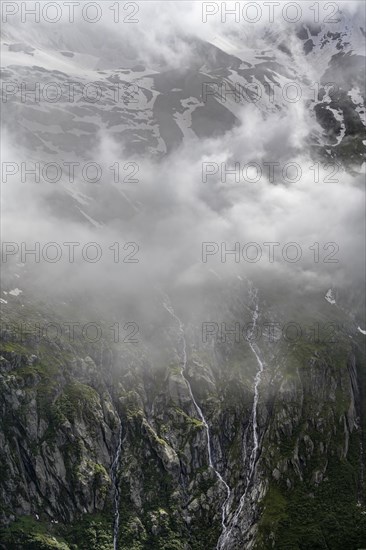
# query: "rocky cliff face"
{"type": "Point", "coordinates": [66, 406]}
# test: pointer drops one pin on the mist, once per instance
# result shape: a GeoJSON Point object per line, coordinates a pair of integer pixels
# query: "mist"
{"type": "Point", "coordinates": [164, 218]}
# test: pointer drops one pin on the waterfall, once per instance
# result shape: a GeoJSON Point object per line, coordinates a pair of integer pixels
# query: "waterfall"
{"type": "Point", "coordinates": [115, 482]}
{"type": "Point", "coordinates": [225, 535]}
{"type": "Point", "coordinates": [201, 415]}
{"type": "Point", "coordinates": [362, 473]}
{"type": "Point", "coordinates": [257, 381]}
{"type": "Point", "coordinates": [114, 475]}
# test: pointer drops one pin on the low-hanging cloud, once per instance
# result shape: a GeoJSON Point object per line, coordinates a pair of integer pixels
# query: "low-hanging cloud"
{"type": "Point", "coordinates": [172, 211]}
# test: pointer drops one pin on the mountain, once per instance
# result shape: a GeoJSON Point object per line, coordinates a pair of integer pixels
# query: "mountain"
{"type": "Point", "coordinates": [151, 398]}
{"type": "Point", "coordinates": [285, 464]}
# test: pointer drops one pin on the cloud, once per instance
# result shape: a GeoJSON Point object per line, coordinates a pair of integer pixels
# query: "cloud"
{"type": "Point", "coordinates": [171, 211]}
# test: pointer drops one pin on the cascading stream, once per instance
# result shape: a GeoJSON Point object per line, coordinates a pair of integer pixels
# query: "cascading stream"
{"type": "Point", "coordinates": [117, 495]}
{"type": "Point", "coordinates": [225, 535]}
{"type": "Point", "coordinates": [201, 415]}
{"type": "Point", "coordinates": [114, 474]}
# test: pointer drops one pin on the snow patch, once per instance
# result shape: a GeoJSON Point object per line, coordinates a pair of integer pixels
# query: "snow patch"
{"type": "Point", "coordinates": [338, 115]}
{"type": "Point", "coordinates": [330, 297]}
{"type": "Point", "coordinates": [357, 99]}
{"type": "Point", "coordinates": [15, 292]}
{"type": "Point", "coordinates": [90, 220]}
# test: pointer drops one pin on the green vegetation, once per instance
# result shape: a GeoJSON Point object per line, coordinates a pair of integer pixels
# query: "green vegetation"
{"type": "Point", "coordinates": [78, 400]}
{"type": "Point", "coordinates": [28, 533]}
{"type": "Point", "coordinates": [316, 517]}
{"type": "Point", "coordinates": [91, 531]}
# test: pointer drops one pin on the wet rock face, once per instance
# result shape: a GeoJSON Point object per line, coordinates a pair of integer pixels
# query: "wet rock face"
{"type": "Point", "coordinates": [62, 408]}
{"type": "Point", "coordinates": [58, 439]}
